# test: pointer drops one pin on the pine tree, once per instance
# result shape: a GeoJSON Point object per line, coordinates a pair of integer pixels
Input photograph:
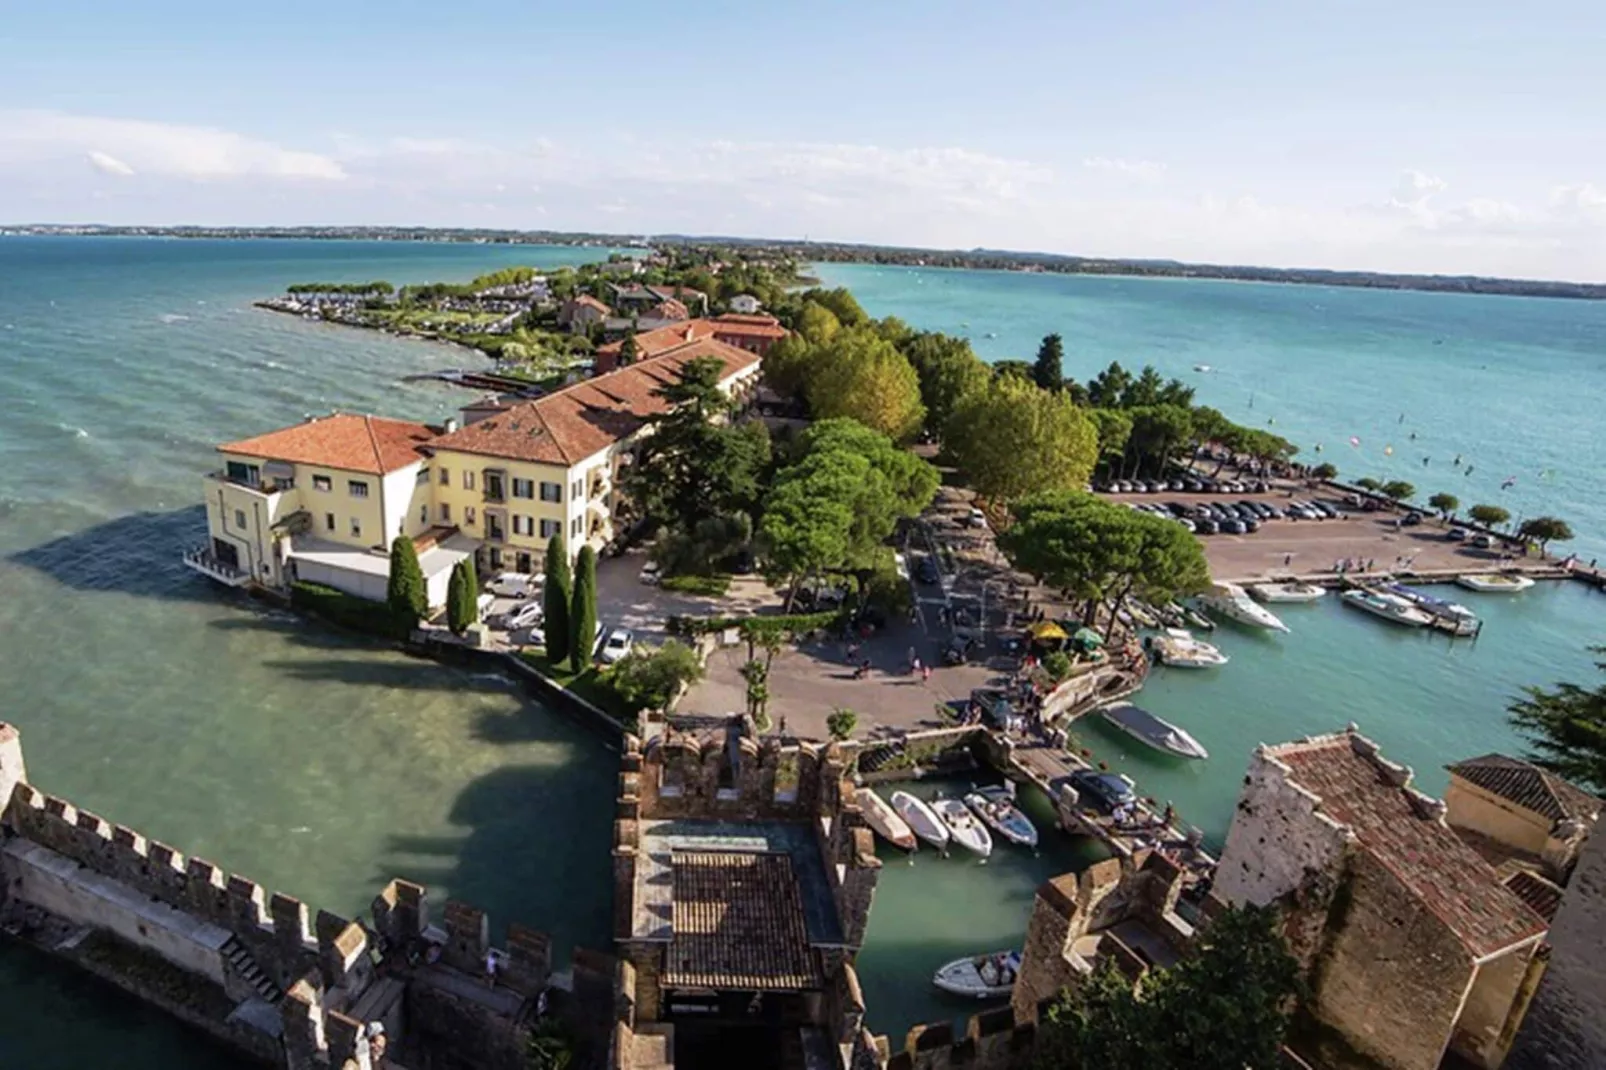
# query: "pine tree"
{"type": "Point", "coordinates": [462, 597]}
{"type": "Point", "coordinates": [583, 610]}
{"type": "Point", "coordinates": [1048, 371]}
{"type": "Point", "coordinates": [406, 593]}
{"type": "Point", "coordinates": [555, 599]}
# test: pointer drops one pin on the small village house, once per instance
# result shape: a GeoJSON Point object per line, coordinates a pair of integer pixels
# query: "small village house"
{"type": "Point", "coordinates": [745, 305]}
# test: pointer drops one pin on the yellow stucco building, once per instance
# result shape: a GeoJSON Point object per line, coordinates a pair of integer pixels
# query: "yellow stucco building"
{"type": "Point", "coordinates": [323, 500]}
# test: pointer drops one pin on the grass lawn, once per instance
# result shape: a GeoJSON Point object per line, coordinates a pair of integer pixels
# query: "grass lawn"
{"type": "Point", "coordinates": [712, 586]}
{"type": "Point", "coordinates": [587, 684]}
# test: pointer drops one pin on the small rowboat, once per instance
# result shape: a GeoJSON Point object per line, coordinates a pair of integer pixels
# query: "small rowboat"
{"type": "Point", "coordinates": [921, 819]}
{"type": "Point", "coordinates": [1493, 582]}
{"type": "Point", "coordinates": [885, 820]}
{"type": "Point", "coordinates": [982, 977]}
{"type": "Point", "coordinates": [994, 806]}
{"type": "Point", "coordinates": [967, 832]}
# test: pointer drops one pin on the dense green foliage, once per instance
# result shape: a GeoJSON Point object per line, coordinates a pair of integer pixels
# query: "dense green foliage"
{"type": "Point", "coordinates": [947, 369]}
{"type": "Point", "coordinates": [1013, 438]}
{"type": "Point", "coordinates": [649, 679]}
{"type": "Point", "coordinates": [1103, 553]}
{"type": "Point", "coordinates": [1544, 530]}
{"type": "Point", "coordinates": [1325, 470]}
{"type": "Point", "coordinates": [1567, 726]}
{"type": "Point", "coordinates": [841, 722]}
{"type": "Point", "coordinates": [463, 597]}
{"type": "Point", "coordinates": [359, 289]}
{"type": "Point", "coordinates": [1225, 1006]}
{"type": "Point", "coordinates": [1490, 516]}
{"type": "Point", "coordinates": [862, 376]}
{"type": "Point", "coordinates": [346, 610]}
{"type": "Point", "coordinates": [583, 609]}
{"type": "Point", "coordinates": [405, 592]}
{"type": "Point", "coordinates": [1398, 489]}
{"type": "Point", "coordinates": [788, 624]}
{"type": "Point", "coordinates": [1443, 503]}
{"type": "Point", "coordinates": [559, 588]}
{"type": "Point", "coordinates": [1048, 371]}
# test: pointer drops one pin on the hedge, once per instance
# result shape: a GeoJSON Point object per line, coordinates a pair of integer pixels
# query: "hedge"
{"type": "Point", "coordinates": [796, 623]}
{"type": "Point", "coordinates": [346, 610]}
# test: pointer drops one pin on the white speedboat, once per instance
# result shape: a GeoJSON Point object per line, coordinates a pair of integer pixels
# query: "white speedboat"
{"type": "Point", "coordinates": [982, 977]}
{"type": "Point", "coordinates": [1287, 592]}
{"type": "Point", "coordinates": [1495, 582]}
{"type": "Point", "coordinates": [1447, 616]}
{"type": "Point", "coordinates": [885, 820]}
{"type": "Point", "coordinates": [1231, 601]}
{"type": "Point", "coordinates": [967, 832]}
{"type": "Point", "coordinates": [1178, 647]}
{"type": "Point", "coordinates": [996, 806]}
{"type": "Point", "coordinates": [921, 819]}
{"type": "Point", "coordinates": [1390, 607]}
{"type": "Point", "coordinates": [1156, 732]}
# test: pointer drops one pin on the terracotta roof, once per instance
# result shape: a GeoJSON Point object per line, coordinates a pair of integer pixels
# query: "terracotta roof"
{"type": "Point", "coordinates": [749, 326]}
{"type": "Point", "coordinates": [653, 342]}
{"type": "Point", "coordinates": [738, 923]}
{"type": "Point", "coordinates": [1529, 786]}
{"type": "Point", "coordinates": [347, 441]}
{"type": "Point", "coordinates": [1537, 892]}
{"type": "Point", "coordinates": [587, 301]}
{"type": "Point", "coordinates": [671, 309]}
{"type": "Point", "coordinates": [1448, 877]}
{"type": "Point", "coordinates": [585, 418]}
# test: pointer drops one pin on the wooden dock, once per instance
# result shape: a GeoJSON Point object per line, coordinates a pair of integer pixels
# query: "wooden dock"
{"type": "Point", "coordinates": [501, 384]}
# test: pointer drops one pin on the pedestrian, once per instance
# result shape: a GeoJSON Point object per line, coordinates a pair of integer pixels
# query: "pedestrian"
{"type": "Point", "coordinates": [490, 969]}
{"type": "Point", "coordinates": [1288, 559]}
{"type": "Point", "coordinates": [914, 665]}
{"type": "Point", "coordinates": [1371, 564]}
{"type": "Point", "coordinates": [1592, 561]}
{"type": "Point", "coordinates": [925, 674]}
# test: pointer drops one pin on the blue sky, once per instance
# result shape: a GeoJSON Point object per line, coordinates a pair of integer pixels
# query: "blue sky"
{"type": "Point", "coordinates": [1393, 136]}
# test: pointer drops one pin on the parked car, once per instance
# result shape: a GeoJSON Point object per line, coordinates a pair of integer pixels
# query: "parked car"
{"type": "Point", "coordinates": [650, 574]}
{"type": "Point", "coordinates": [514, 584]}
{"type": "Point", "coordinates": [977, 518]}
{"type": "Point", "coordinates": [1483, 542]}
{"type": "Point", "coordinates": [1411, 519]}
{"type": "Point", "coordinates": [1233, 527]}
{"type": "Point", "coordinates": [1193, 485]}
{"type": "Point", "coordinates": [1103, 791]}
{"type": "Point", "coordinates": [928, 571]}
{"type": "Point", "coordinates": [525, 615]}
{"type": "Point", "coordinates": [1205, 526]}
{"type": "Point", "coordinates": [1456, 534]}
{"type": "Point", "coordinates": [617, 645]}
{"type": "Point", "coordinates": [1251, 524]}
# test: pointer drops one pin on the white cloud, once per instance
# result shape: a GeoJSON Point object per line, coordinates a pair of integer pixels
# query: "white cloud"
{"type": "Point", "coordinates": [1580, 199]}
{"type": "Point", "coordinates": [1142, 170]}
{"type": "Point", "coordinates": [109, 165]}
{"type": "Point", "coordinates": [33, 138]}
{"type": "Point", "coordinates": [1415, 190]}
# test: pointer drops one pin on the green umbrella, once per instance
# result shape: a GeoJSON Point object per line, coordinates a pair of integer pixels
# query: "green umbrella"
{"type": "Point", "coordinates": [1088, 637]}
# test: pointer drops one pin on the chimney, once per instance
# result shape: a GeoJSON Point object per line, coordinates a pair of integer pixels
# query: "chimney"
{"type": "Point", "coordinates": [451, 424]}
{"type": "Point", "coordinates": [689, 332]}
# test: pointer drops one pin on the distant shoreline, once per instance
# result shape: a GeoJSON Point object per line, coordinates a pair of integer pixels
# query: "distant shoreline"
{"type": "Point", "coordinates": [839, 252]}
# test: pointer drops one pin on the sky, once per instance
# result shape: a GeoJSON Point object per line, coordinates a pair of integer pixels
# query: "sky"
{"type": "Point", "coordinates": [1402, 136]}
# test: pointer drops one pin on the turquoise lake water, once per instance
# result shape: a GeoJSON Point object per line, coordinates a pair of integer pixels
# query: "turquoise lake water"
{"type": "Point", "coordinates": [323, 766]}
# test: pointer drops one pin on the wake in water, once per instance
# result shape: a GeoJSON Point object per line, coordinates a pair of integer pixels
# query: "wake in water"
{"type": "Point", "coordinates": [75, 432]}
{"type": "Point", "coordinates": [174, 317]}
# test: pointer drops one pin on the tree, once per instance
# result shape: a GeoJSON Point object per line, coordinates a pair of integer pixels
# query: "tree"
{"type": "Point", "coordinates": [406, 594]}
{"type": "Point", "coordinates": [1157, 432]}
{"type": "Point", "coordinates": [1103, 553]}
{"type": "Point", "coordinates": [1327, 470]}
{"type": "Point", "coordinates": [842, 304]}
{"type": "Point", "coordinates": [649, 679]}
{"type": "Point", "coordinates": [583, 610]}
{"type": "Point", "coordinates": [1544, 530]}
{"type": "Point", "coordinates": [817, 324]}
{"type": "Point", "coordinates": [947, 369]}
{"type": "Point", "coordinates": [1013, 369]}
{"type": "Point", "coordinates": [1398, 489]}
{"type": "Point", "coordinates": [1567, 726]}
{"type": "Point", "coordinates": [1106, 389]}
{"type": "Point", "coordinates": [841, 722]}
{"type": "Point", "coordinates": [627, 348]}
{"type": "Point", "coordinates": [894, 484]}
{"type": "Point", "coordinates": [1444, 503]}
{"type": "Point", "coordinates": [808, 517]}
{"type": "Point", "coordinates": [559, 588]}
{"type": "Point", "coordinates": [1114, 430]}
{"type": "Point", "coordinates": [1490, 516]}
{"type": "Point", "coordinates": [757, 674]}
{"type": "Point", "coordinates": [1048, 371]}
{"type": "Point", "coordinates": [1225, 1006]}
{"type": "Point", "coordinates": [463, 597]}
{"type": "Point", "coordinates": [1368, 483]}
{"type": "Point", "coordinates": [863, 376]}
{"type": "Point", "coordinates": [1013, 438]}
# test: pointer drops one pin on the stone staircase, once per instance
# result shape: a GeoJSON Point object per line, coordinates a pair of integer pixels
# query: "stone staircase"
{"type": "Point", "coordinates": [241, 962]}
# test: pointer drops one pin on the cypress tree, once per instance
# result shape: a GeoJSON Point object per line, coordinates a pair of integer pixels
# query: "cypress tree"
{"type": "Point", "coordinates": [583, 611]}
{"type": "Point", "coordinates": [406, 593]}
{"type": "Point", "coordinates": [1048, 371]}
{"type": "Point", "coordinates": [462, 597]}
{"type": "Point", "coordinates": [555, 599]}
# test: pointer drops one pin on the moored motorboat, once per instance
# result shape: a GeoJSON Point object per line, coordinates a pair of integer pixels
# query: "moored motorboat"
{"type": "Point", "coordinates": [1390, 607]}
{"type": "Point", "coordinates": [1287, 592]}
{"type": "Point", "coordinates": [966, 831]}
{"type": "Point", "coordinates": [1156, 732]}
{"type": "Point", "coordinates": [1447, 616]}
{"type": "Point", "coordinates": [1495, 582]}
{"type": "Point", "coordinates": [996, 807]}
{"type": "Point", "coordinates": [981, 977]}
{"type": "Point", "coordinates": [921, 819]}
{"type": "Point", "coordinates": [1231, 601]}
{"type": "Point", "coordinates": [1178, 647]}
{"type": "Point", "coordinates": [885, 820]}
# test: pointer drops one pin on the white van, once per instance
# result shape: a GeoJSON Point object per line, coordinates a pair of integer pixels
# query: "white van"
{"type": "Point", "coordinates": [515, 585]}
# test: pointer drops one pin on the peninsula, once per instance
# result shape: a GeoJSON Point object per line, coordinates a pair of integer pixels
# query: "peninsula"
{"type": "Point", "coordinates": [849, 252]}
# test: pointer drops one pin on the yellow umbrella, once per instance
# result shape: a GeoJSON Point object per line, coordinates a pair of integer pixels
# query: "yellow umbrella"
{"type": "Point", "coordinates": [1048, 630]}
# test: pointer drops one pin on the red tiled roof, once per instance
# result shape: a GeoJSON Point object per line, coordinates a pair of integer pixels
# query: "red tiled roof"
{"type": "Point", "coordinates": [1537, 892]}
{"type": "Point", "coordinates": [587, 301]}
{"type": "Point", "coordinates": [585, 418]}
{"type": "Point", "coordinates": [749, 326]}
{"type": "Point", "coordinates": [738, 923]}
{"type": "Point", "coordinates": [348, 441]}
{"type": "Point", "coordinates": [1528, 786]}
{"type": "Point", "coordinates": [659, 339]}
{"type": "Point", "coordinates": [1448, 877]}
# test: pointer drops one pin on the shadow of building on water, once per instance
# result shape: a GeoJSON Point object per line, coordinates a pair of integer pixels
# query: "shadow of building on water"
{"type": "Point", "coordinates": [139, 554]}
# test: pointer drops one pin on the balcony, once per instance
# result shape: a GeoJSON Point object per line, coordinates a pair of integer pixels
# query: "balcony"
{"type": "Point", "coordinates": [493, 482]}
{"type": "Point", "coordinates": [266, 486]}
{"type": "Point", "coordinates": [204, 561]}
